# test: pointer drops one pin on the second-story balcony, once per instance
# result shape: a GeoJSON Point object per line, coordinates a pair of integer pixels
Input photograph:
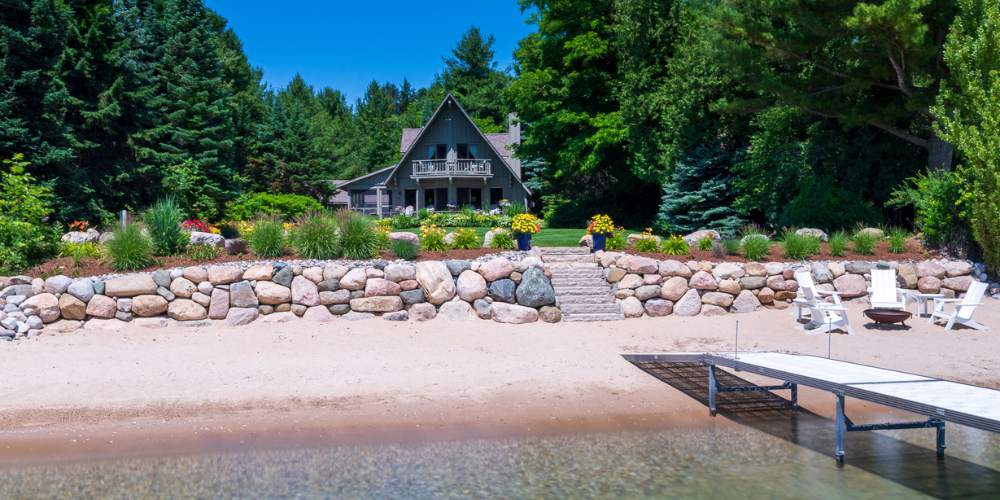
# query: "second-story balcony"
{"type": "Point", "coordinates": [452, 168]}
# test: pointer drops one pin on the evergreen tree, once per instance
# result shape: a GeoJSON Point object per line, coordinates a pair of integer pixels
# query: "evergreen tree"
{"type": "Point", "coordinates": [378, 126]}
{"type": "Point", "coordinates": [699, 194]}
{"type": "Point", "coordinates": [471, 74]}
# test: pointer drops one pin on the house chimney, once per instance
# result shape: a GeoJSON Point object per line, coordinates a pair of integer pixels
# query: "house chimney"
{"type": "Point", "coordinates": [514, 132]}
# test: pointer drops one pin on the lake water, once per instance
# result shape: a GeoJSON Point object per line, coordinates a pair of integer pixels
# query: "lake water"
{"type": "Point", "coordinates": [747, 456]}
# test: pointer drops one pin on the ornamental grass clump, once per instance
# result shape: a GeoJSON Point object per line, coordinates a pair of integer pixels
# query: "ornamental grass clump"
{"type": "Point", "coordinates": [163, 221]}
{"type": "Point", "coordinates": [502, 239]}
{"type": "Point", "coordinates": [403, 249]}
{"type": "Point", "coordinates": [838, 244]}
{"type": "Point", "coordinates": [315, 236]}
{"type": "Point", "coordinates": [731, 246]}
{"type": "Point", "coordinates": [359, 239]}
{"type": "Point", "coordinates": [203, 253]}
{"type": "Point", "coordinates": [675, 245]}
{"type": "Point", "coordinates": [432, 238]}
{"type": "Point", "coordinates": [897, 240]}
{"type": "Point", "coordinates": [705, 244]}
{"type": "Point", "coordinates": [525, 224]}
{"type": "Point", "coordinates": [755, 246]}
{"type": "Point", "coordinates": [799, 247]}
{"type": "Point", "coordinates": [267, 239]}
{"type": "Point", "coordinates": [466, 239]}
{"type": "Point", "coordinates": [130, 249]}
{"type": "Point", "coordinates": [864, 242]}
{"type": "Point", "coordinates": [647, 242]}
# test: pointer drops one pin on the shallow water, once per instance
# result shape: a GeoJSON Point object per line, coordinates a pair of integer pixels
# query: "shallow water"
{"type": "Point", "coordinates": [761, 458]}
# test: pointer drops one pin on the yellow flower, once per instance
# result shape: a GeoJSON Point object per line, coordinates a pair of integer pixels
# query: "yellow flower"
{"type": "Point", "coordinates": [525, 224]}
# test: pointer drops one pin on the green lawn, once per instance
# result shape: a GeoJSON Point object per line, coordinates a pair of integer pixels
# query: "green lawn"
{"type": "Point", "coordinates": [546, 238]}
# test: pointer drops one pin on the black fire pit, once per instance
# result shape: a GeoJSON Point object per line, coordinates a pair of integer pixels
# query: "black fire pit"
{"type": "Point", "coordinates": [887, 316]}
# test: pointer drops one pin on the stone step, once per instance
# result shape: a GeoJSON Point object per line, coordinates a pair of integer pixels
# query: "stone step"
{"type": "Point", "coordinates": [568, 259]}
{"type": "Point", "coordinates": [578, 282]}
{"type": "Point", "coordinates": [566, 300]}
{"type": "Point", "coordinates": [581, 290]}
{"type": "Point", "coordinates": [583, 272]}
{"type": "Point", "coordinates": [572, 265]}
{"type": "Point", "coordinates": [593, 317]}
{"type": "Point", "coordinates": [565, 251]}
{"type": "Point", "coordinates": [612, 308]}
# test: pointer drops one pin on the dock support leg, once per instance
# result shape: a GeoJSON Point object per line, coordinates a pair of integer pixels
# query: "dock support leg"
{"type": "Point", "coordinates": [841, 428]}
{"type": "Point", "coordinates": [712, 389]}
{"type": "Point", "coordinates": [940, 439]}
{"type": "Point", "coordinates": [795, 396]}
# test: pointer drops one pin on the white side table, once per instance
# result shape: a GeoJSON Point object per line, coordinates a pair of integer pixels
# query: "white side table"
{"type": "Point", "coordinates": [922, 301]}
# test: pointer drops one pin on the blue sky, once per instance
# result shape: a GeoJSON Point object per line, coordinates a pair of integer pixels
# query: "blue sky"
{"type": "Point", "coordinates": [346, 44]}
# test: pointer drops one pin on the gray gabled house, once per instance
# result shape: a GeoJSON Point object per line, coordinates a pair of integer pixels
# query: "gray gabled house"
{"type": "Point", "coordinates": [447, 164]}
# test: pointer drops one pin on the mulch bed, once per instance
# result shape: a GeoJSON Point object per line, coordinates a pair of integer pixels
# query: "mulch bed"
{"type": "Point", "coordinates": [914, 251]}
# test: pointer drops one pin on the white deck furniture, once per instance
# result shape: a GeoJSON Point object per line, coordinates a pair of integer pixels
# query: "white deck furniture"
{"type": "Point", "coordinates": [937, 400]}
{"type": "Point", "coordinates": [922, 302]}
{"type": "Point", "coordinates": [825, 317]}
{"type": "Point", "coordinates": [884, 294]}
{"type": "Point", "coordinates": [802, 305]}
{"type": "Point", "coordinates": [961, 314]}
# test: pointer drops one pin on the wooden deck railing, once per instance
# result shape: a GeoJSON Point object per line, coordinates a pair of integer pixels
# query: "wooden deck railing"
{"type": "Point", "coordinates": [452, 168]}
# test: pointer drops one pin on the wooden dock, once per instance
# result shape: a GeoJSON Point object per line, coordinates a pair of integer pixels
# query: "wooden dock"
{"type": "Point", "coordinates": [939, 400]}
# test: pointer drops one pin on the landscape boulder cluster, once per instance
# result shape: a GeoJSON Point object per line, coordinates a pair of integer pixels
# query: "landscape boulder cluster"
{"type": "Point", "coordinates": [645, 286]}
{"type": "Point", "coordinates": [497, 288]}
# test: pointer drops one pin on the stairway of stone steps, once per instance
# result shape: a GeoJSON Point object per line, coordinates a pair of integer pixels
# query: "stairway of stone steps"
{"type": "Point", "coordinates": [582, 292]}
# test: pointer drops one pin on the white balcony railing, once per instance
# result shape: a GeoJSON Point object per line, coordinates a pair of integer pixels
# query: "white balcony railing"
{"type": "Point", "coordinates": [452, 168]}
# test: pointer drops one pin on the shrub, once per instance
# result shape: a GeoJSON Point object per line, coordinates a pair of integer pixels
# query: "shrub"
{"type": "Point", "coordinates": [799, 247]}
{"type": "Point", "coordinates": [897, 240]}
{"type": "Point", "coordinates": [647, 242]}
{"type": "Point", "coordinates": [432, 238]}
{"type": "Point", "coordinates": [755, 246]}
{"type": "Point", "coordinates": [267, 239]}
{"type": "Point", "coordinates": [616, 240]}
{"type": "Point", "coordinates": [358, 237]}
{"type": "Point", "coordinates": [466, 239]}
{"type": "Point", "coordinates": [79, 251]}
{"type": "Point", "coordinates": [675, 245]}
{"type": "Point", "coordinates": [315, 236]}
{"type": "Point", "coordinates": [405, 221]}
{"type": "Point", "coordinates": [515, 208]}
{"type": "Point", "coordinates": [503, 239]}
{"type": "Point", "coordinates": [838, 244]}
{"type": "Point", "coordinates": [403, 249]}
{"type": "Point", "coordinates": [163, 220]}
{"type": "Point", "coordinates": [25, 236]}
{"type": "Point", "coordinates": [705, 244]}
{"type": "Point", "coordinates": [937, 201]}
{"type": "Point", "coordinates": [864, 243]}
{"type": "Point", "coordinates": [731, 246]}
{"type": "Point", "coordinates": [285, 206]}
{"type": "Point", "coordinates": [130, 249]}
{"type": "Point", "coordinates": [229, 230]}
{"type": "Point", "coordinates": [203, 253]}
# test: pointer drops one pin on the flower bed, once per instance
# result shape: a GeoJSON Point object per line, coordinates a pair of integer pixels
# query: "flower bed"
{"type": "Point", "coordinates": [508, 289]}
{"type": "Point", "coordinates": [652, 287]}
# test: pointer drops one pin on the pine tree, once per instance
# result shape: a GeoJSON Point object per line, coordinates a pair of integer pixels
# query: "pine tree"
{"type": "Point", "coordinates": [378, 126]}
{"type": "Point", "coordinates": [471, 74]}
{"type": "Point", "coordinates": [698, 195]}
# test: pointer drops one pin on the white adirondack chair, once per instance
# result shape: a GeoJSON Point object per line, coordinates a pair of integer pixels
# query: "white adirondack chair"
{"type": "Point", "coordinates": [884, 294]}
{"type": "Point", "coordinates": [964, 307]}
{"type": "Point", "coordinates": [825, 317]}
{"type": "Point", "coordinates": [801, 305]}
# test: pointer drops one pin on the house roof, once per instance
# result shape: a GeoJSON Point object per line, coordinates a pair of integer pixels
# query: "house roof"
{"type": "Point", "coordinates": [409, 137]}
{"type": "Point", "coordinates": [343, 184]}
{"type": "Point", "coordinates": [500, 141]}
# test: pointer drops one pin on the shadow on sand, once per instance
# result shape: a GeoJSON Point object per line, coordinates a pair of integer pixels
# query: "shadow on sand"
{"type": "Point", "coordinates": [912, 466]}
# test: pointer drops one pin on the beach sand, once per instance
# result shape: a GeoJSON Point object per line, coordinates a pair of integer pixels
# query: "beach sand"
{"type": "Point", "coordinates": [132, 389]}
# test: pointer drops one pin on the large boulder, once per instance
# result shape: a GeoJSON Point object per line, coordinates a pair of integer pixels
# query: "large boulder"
{"type": "Point", "coordinates": [400, 272]}
{"type": "Point", "coordinates": [224, 275]}
{"type": "Point", "coordinates": [196, 274]}
{"type": "Point", "coordinates": [674, 288]}
{"type": "Point", "coordinates": [702, 280]}
{"type": "Point", "coordinates": [101, 307]}
{"type": "Point", "coordinates": [752, 282]}
{"type": "Point", "coordinates": [376, 287]}
{"type": "Point", "coordinates": [632, 307]}
{"type": "Point", "coordinates": [355, 279]}
{"type": "Point", "coordinates": [183, 288]}
{"type": "Point", "coordinates": [60, 283]}
{"type": "Point", "coordinates": [130, 286]}
{"type": "Point", "coordinates": [89, 236]}
{"type": "Point", "coordinates": [689, 304]}
{"type": "Point", "coordinates": [239, 316]}
{"type": "Point", "coordinates": [717, 299]}
{"type": "Point", "coordinates": [858, 267]}
{"type": "Point", "coordinates": [728, 271]}
{"type": "Point", "coordinates": [146, 306]}
{"type": "Point", "coordinates": [270, 293]}
{"type": "Point", "coordinates": [503, 290]}
{"type": "Point", "coordinates": [422, 312]}
{"type": "Point", "coordinates": [457, 267]}
{"type": "Point", "coordinates": [851, 286]}
{"type": "Point", "coordinates": [658, 307]}
{"type": "Point", "coordinates": [200, 238]}
{"type": "Point", "coordinates": [821, 272]}
{"type": "Point", "coordinates": [630, 281]}
{"type": "Point", "coordinates": [414, 296]}
{"type": "Point", "coordinates": [218, 304]}
{"type": "Point", "coordinates": [647, 292]}
{"type": "Point", "coordinates": [241, 294]}
{"type": "Point", "coordinates": [377, 304]}
{"type": "Point", "coordinates": [304, 292]}
{"type": "Point", "coordinates": [952, 268]}
{"type": "Point", "coordinates": [906, 276]}
{"type": "Point", "coordinates": [457, 310]}
{"type": "Point", "coordinates": [641, 265]}
{"type": "Point", "coordinates": [186, 310]}
{"type": "Point", "coordinates": [693, 238]}
{"type": "Point", "coordinates": [535, 289]}
{"type": "Point", "coordinates": [745, 302]}
{"type": "Point", "coordinates": [495, 269]}
{"type": "Point", "coordinates": [259, 272]}
{"type": "Point", "coordinates": [957, 283]}
{"type": "Point", "coordinates": [82, 289]}
{"type": "Point", "coordinates": [732, 287]}
{"type": "Point", "coordinates": [436, 282]}
{"type": "Point", "coordinates": [929, 284]}
{"type": "Point", "coordinates": [874, 232]}
{"type": "Point", "coordinates": [71, 307]}
{"type": "Point", "coordinates": [405, 236]}
{"type": "Point", "coordinates": [471, 286]}
{"type": "Point", "coordinates": [513, 313]}
{"type": "Point", "coordinates": [47, 305]}
{"type": "Point", "coordinates": [815, 233]}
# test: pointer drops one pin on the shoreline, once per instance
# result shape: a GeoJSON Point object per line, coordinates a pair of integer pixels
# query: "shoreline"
{"type": "Point", "coordinates": [98, 393]}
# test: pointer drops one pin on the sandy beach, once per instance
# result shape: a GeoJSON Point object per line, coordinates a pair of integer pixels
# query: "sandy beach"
{"type": "Point", "coordinates": [113, 391]}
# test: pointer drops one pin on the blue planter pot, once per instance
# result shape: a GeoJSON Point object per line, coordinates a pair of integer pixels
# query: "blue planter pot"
{"type": "Point", "coordinates": [600, 240]}
{"type": "Point", "coordinates": [524, 241]}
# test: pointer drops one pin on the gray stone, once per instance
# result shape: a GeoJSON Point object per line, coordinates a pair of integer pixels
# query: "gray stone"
{"type": "Point", "coordinates": [162, 277]}
{"type": "Point", "coordinates": [82, 289]}
{"type": "Point", "coordinates": [340, 309]}
{"type": "Point", "coordinates": [59, 284]}
{"type": "Point", "coordinates": [298, 309]}
{"type": "Point", "coordinates": [35, 323]}
{"type": "Point", "coordinates": [689, 304]}
{"type": "Point", "coordinates": [337, 297]}
{"type": "Point", "coordinates": [396, 316]}
{"type": "Point", "coordinates": [358, 316]}
{"type": "Point", "coordinates": [535, 289]}
{"type": "Point", "coordinates": [752, 282]}
{"type": "Point", "coordinates": [202, 299]}
{"type": "Point", "coordinates": [423, 312]}
{"type": "Point", "coordinates": [727, 271]}
{"type": "Point", "coordinates": [99, 287]}
{"type": "Point", "coordinates": [457, 310]}
{"type": "Point", "coordinates": [17, 290]}
{"type": "Point", "coordinates": [746, 302]}
{"type": "Point", "coordinates": [503, 290]}
{"type": "Point", "coordinates": [821, 272]}
{"type": "Point", "coordinates": [632, 307]}
{"type": "Point", "coordinates": [377, 304]}
{"type": "Point", "coordinates": [470, 285]}
{"type": "Point", "coordinates": [124, 316]}
{"type": "Point", "coordinates": [400, 272]}
{"type": "Point", "coordinates": [456, 267]}
{"type": "Point", "coordinates": [647, 292]}
{"type": "Point", "coordinates": [130, 286]}
{"type": "Point", "coordinates": [436, 281]}
{"type": "Point", "coordinates": [483, 309]}
{"type": "Point", "coordinates": [200, 238]}
{"type": "Point", "coordinates": [218, 306]}
{"type": "Point", "coordinates": [167, 294]}
{"type": "Point", "coordinates": [514, 314]}
{"type": "Point", "coordinates": [283, 277]}
{"type": "Point", "coordinates": [692, 239]}
{"type": "Point", "coordinates": [238, 316]}
{"type": "Point", "coordinates": [205, 288]}
{"type": "Point", "coordinates": [550, 314]}
{"type": "Point", "coordinates": [858, 267]}
{"type": "Point", "coordinates": [241, 294]}
{"type": "Point", "coordinates": [851, 286]}
{"type": "Point", "coordinates": [91, 235]}
{"type": "Point", "coordinates": [815, 233]}
{"type": "Point", "coordinates": [411, 297]}
{"type": "Point", "coordinates": [330, 285]}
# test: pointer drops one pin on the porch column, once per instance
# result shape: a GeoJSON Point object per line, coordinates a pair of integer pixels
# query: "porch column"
{"type": "Point", "coordinates": [483, 202]}
{"type": "Point", "coordinates": [418, 199]}
{"type": "Point", "coordinates": [378, 201]}
{"type": "Point", "coordinates": [452, 194]}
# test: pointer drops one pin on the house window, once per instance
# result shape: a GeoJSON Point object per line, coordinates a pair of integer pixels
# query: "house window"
{"type": "Point", "coordinates": [410, 198]}
{"type": "Point", "coordinates": [437, 151]}
{"type": "Point", "coordinates": [496, 194]}
{"type": "Point", "coordinates": [467, 151]}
